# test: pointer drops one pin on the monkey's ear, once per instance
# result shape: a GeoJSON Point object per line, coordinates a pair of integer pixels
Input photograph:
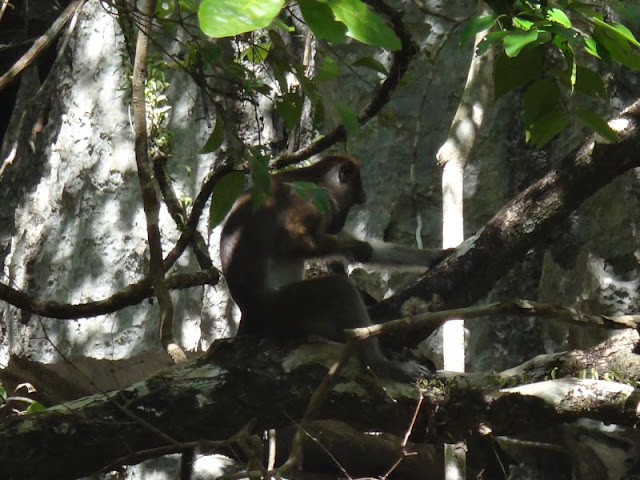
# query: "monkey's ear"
{"type": "Point", "coordinates": [348, 170]}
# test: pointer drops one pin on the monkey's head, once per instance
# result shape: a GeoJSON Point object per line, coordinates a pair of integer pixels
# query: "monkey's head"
{"type": "Point", "coordinates": [344, 185]}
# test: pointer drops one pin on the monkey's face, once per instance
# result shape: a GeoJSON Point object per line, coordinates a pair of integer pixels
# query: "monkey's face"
{"type": "Point", "coordinates": [344, 184]}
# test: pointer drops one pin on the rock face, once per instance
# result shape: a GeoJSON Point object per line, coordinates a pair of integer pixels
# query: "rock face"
{"type": "Point", "coordinates": [74, 230]}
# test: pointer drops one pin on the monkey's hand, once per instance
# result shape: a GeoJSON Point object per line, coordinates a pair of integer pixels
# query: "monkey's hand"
{"type": "Point", "coordinates": [359, 251]}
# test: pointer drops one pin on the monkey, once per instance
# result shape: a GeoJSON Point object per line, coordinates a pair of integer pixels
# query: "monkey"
{"type": "Point", "coordinates": [263, 250]}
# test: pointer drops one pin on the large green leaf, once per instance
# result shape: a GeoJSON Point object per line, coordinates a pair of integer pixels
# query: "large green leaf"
{"type": "Point", "coordinates": [558, 16]}
{"type": "Point", "coordinates": [321, 20]}
{"type": "Point", "coordinates": [225, 192]}
{"type": "Point", "coordinates": [547, 127]}
{"type": "Point", "coordinates": [512, 73]}
{"type": "Point", "coordinates": [226, 18]}
{"type": "Point", "coordinates": [348, 116]}
{"type": "Point", "coordinates": [615, 47]}
{"type": "Point", "coordinates": [372, 63]}
{"type": "Point", "coordinates": [589, 82]}
{"type": "Point", "coordinates": [541, 98]}
{"type": "Point", "coordinates": [217, 136]}
{"type": "Point", "coordinates": [616, 30]}
{"type": "Point", "coordinates": [476, 25]}
{"type": "Point", "coordinates": [514, 42]}
{"type": "Point", "coordinates": [260, 177]}
{"type": "Point", "coordinates": [289, 107]}
{"type": "Point", "coordinates": [596, 123]}
{"type": "Point", "coordinates": [311, 192]}
{"type": "Point", "coordinates": [363, 24]}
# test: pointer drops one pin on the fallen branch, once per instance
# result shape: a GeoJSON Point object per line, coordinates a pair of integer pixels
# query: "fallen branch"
{"type": "Point", "coordinates": [213, 397]}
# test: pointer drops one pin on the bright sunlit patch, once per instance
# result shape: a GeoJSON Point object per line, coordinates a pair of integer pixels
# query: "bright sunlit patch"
{"type": "Point", "coordinates": [619, 124]}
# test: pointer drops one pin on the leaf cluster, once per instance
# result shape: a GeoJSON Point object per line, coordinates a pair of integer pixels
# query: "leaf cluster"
{"type": "Point", "coordinates": [544, 47]}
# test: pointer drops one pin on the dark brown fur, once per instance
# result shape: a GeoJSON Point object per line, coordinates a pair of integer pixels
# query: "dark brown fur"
{"type": "Point", "coordinates": [263, 252]}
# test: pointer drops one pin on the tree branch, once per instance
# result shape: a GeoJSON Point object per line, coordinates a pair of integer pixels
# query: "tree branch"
{"type": "Point", "coordinates": [40, 45]}
{"type": "Point", "coordinates": [147, 186]}
{"type": "Point", "coordinates": [131, 295]}
{"type": "Point", "coordinates": [467, 276]}
{"type": "Point", "coordinates": [431, 320]}
{"type": "Point", "coordinates": [214, 396]}
{"type": "Point", "coordinates": [380, 98]}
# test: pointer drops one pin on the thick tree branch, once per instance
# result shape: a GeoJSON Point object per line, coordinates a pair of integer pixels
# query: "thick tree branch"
{"type": "Point", "coordinates": [467, 276]}
{"type": "Point", "coordinates": [215, 396]}
{"type": "Point", "coordinates": [131, 295]}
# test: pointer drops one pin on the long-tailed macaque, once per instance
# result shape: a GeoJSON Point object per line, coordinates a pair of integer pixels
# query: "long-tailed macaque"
{"type": "Point", "coordinates": [263, 252]}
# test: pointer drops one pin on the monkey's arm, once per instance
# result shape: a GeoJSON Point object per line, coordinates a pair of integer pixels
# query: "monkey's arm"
{"type": "Point", "coordinates": [392, 254]}
{"type": "Point", "coordinates": [379, 253]}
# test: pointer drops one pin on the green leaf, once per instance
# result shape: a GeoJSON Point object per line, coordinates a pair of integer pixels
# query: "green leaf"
{"type": "Point", "coordinates": [474, 26]}
{"type": "Point", "coordinates": [289, 106]}
{"type": "Point", "coordinates": [522, 23]}
{"type": "Point", "coordinates": [489, 40]}
{"type": "Point", "coordinates": [327, 70]}
{"type": "Point", "coordinates": [547, 127]}
{"type": "Point", "coordinates": [3, 394]}
{"type": "Point", "coordinates": [164, 8]}
{"type": "Point", "coordinates": [256, 54]}
{"type": "Point", "coordinates": [348, 116]}
{"type": "Point", "coordinates": [591, 46]}
{"type": "Point", "coordinates": [35, 407]}
{"type": "Point", "coordinates": [516, 41]}
{"type": "Point", "coordinates": [541, 98]}
{"type": "Point", "coordinates": [313, 193]}
{"type": "Point", "coordinates": [371, 63]}
{"type": "Point", "coordinates": [189, 5]}
{"type": "Point", "coordinates": [321, 20]}
{"type": "Point", "coordinates": [225, 192]}
{"type": "Point", "coordinates": [226, 18]}
{"type": "Point", "coordinates": [318, 116]}
{"type": "Point", "coordinates": [211, 53]}
{"type": "Point", "coordinates": [512, 73]}
{"type": "Point", "coordinates": [558, 16]}
{"type": "Point", "coordinates": [309, 87]}
{"type": "Point", "coordinates": [589, 82]}
{"type": "Point", "coordinates": [616, 30]}
{"type": "Point", "coordinates": [363, 24]}
{"type": "Point", "coordinates": [612, 47]}
{"type": "Point", "coordinates": [217, 136]}
{"type": "Point", "coordinates": [596, 123]}
{"type": "Point", "coordinates": [260, 177]}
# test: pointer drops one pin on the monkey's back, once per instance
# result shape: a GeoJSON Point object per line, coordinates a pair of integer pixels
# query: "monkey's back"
{"type": "Point", "coordinates": [263, 249]}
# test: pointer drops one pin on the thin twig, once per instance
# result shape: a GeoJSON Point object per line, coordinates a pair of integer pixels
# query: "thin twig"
{"type": "Point", "coordinates": [40, 45]}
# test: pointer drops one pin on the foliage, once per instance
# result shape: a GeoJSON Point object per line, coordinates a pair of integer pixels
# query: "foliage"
{"type": "Point", "coordinates": [17, 404]}
{"type": "Point", "coordinates": [548, 48]}
{"type": "Point", "coordinates": [551, 50]}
